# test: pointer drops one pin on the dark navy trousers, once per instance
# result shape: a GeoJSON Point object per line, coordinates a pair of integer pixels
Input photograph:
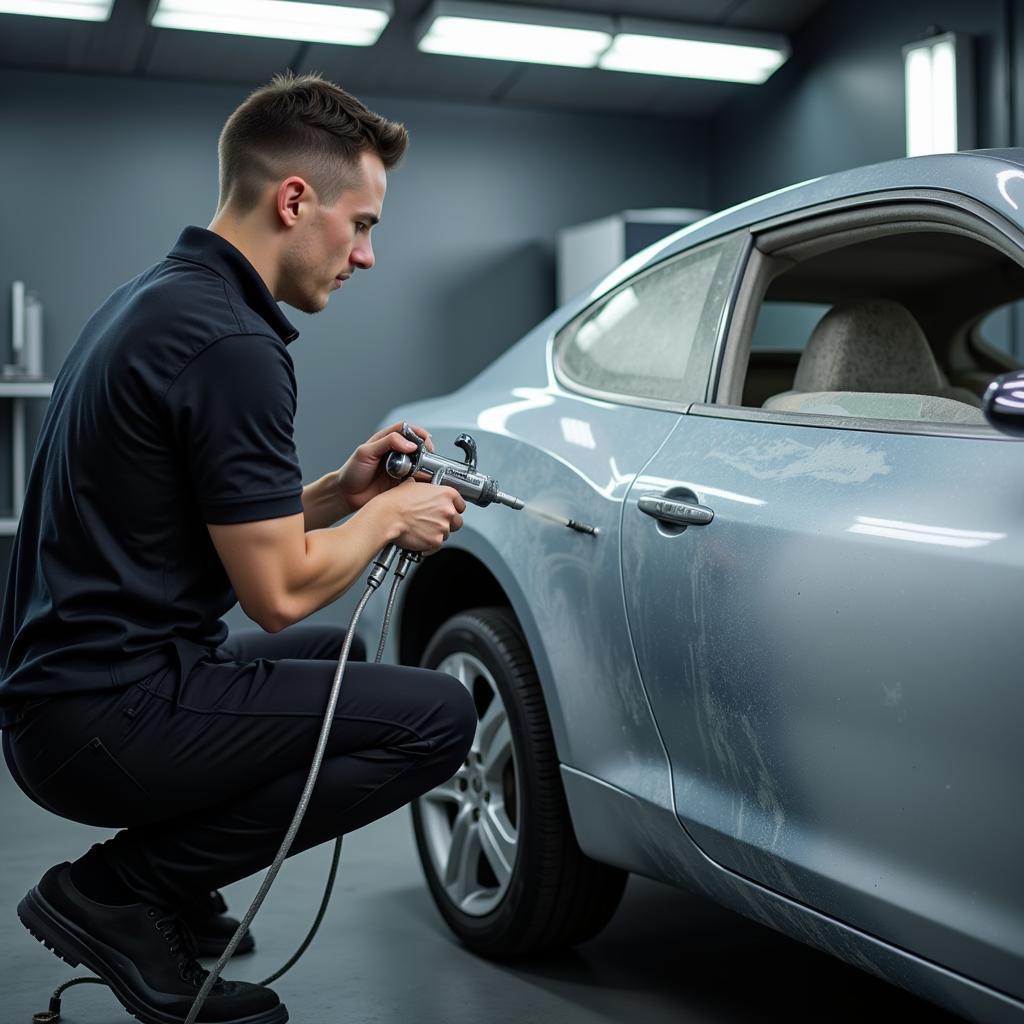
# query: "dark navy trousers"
{"type": "Point", "coordinates": [202, 775]}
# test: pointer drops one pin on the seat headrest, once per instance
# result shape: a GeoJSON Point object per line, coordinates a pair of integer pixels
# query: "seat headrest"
{"type": "Point", "coordinates": [875, 345]}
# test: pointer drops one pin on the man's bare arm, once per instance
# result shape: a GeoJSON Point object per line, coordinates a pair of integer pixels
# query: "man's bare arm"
{"type": "Point", "coordinates": [281, 573]}
{"type": "Point", "coordinates": [323, 503]}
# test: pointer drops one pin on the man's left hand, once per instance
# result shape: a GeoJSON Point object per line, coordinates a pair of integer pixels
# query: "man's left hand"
{"type": "Point", "coordinates": [363, 476]}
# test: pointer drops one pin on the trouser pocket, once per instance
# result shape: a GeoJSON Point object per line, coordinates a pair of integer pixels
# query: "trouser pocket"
{"type": "Point", "coordinates": [92, 787]}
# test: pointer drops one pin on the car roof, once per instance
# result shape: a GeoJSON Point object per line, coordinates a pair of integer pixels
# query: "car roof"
{"type": "Point", "coordinates": [994, 177]}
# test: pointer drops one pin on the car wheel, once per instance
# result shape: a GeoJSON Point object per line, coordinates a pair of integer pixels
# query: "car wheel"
{"type": "Point", "coordinates": [495, 841]}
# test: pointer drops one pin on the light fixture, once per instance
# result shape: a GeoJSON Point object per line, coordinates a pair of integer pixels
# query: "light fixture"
{"type": "Point", "coordinates": [939, 94]}
{"type": "Point", "coordinates": [695, 51]}
{"type": "Point", "coordinates": [514, 33]}
{"type": "Point", "coordinates": [77, 10]}
{"type": "Point", "coordinates": [545, 36]}
{"type": "Point", "coordinates": [354, 24]}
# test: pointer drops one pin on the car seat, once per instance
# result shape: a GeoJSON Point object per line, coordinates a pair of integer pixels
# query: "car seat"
{"type": "Point", "coordinates": [871, 358]}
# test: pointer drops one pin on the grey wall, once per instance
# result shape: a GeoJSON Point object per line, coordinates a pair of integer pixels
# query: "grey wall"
{"type": "Point", "coordinates": [839, 102]}
{"type": "Point", "coordinates": [101, 174]}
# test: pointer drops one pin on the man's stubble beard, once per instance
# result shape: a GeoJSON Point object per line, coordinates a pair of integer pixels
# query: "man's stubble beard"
{"type": "Point", "coordinates": [299, 270]}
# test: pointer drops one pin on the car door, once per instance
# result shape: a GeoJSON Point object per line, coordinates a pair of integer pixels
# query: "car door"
{"type": "Point", "coordinates": [825, 615]}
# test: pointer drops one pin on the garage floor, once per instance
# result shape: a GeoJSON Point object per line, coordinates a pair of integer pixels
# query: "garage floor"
{"type": "Point", "coordinates": [383, 955]}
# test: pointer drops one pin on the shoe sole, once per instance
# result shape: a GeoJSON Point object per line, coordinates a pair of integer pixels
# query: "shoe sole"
{"type": "Point", "coordinates": [76, 948]}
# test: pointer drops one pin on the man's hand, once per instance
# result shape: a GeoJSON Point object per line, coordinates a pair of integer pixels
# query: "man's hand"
{"type": "Point", "coordinates": [424, 514]}
{"type": "Point", "coordinates": [363, 476]}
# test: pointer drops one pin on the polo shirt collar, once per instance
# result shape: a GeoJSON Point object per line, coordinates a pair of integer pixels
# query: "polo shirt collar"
{"type": "Point", "coordinates": [210, 250]}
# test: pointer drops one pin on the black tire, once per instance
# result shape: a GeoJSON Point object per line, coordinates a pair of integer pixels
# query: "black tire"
{"type": "Point", "coordinates": [556, 896]}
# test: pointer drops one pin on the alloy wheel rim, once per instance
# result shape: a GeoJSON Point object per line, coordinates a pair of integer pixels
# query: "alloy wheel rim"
{"type": "Point", "coordinates": [471, 822]}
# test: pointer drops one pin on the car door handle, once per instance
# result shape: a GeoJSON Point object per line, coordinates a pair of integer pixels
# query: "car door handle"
{"type": "Point", "coordinates": [675, 510]}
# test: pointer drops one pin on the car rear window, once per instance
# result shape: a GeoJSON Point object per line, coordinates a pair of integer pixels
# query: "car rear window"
{"type": "Point", "coordinates": [654, 337]}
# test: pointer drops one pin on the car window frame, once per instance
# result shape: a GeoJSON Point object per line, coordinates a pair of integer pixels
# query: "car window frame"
{"type": "Point", "coordinates": [834, 225]}
{"type": "Point", "coordinates": [741, 238]}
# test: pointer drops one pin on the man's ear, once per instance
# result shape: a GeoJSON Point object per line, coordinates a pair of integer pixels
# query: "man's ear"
{"type": "Point", "coordinates": [292, 195]}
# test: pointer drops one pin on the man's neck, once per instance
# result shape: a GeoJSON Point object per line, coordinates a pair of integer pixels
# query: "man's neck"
{"type": "Point", "coordinates": [250, 244]}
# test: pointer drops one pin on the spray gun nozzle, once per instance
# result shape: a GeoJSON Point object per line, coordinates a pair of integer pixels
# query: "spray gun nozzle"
{"type": "Point", "coordinates": [579, 527]}
{"type": "Point", "coordinates": [509, 500]}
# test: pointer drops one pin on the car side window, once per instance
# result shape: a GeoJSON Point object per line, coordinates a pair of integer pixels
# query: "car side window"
{"type": "Point", "coordinates": [1002, 329]}
{"type": "Point", "coordinates": [874, 324]}
{"type": "Point", "coordinates": [654, 336]}
{"type": "Point", "coordinates": [786, 326]}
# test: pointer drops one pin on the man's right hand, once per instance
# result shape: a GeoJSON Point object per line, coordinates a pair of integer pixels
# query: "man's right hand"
{"type": "Point", "coordinates": [427, 512]}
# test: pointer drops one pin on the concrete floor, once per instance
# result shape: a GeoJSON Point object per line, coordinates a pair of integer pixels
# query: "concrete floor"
{"type": "Point", "coordinates": [384, 956]}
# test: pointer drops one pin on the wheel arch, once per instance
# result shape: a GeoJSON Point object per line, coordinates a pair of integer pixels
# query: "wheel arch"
{"type": "Point", "coordinates": [455, 580]}
{"type": "Point", "coordinates": [443, 585]}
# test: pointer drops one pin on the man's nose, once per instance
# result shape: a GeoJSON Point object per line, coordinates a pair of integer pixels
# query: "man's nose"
{"type": "Point", "coordinates": [362, 256]}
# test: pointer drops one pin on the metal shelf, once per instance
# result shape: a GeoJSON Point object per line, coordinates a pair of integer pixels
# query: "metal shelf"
{"type": "Point", "coordinates": [18, 389]}
{"type": "Point", "coordinates": [27, 388]}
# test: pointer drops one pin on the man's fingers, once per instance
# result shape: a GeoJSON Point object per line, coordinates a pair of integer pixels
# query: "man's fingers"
{"type": "Point", "coordinates": [395, 428]}
{"type": "Point", "coordinates": [457, 499]}
{"type": "Point", "coordinates": [394, 445]}
{"type": "Point", "coordinates": [392, 442]}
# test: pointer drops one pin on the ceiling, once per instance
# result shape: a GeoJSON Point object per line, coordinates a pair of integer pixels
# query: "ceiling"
{"type": "Point", "coordinates": [126, 45]}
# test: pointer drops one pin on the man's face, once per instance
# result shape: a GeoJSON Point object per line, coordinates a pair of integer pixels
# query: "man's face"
{"type": "Point", "coordinates": [334, 241]}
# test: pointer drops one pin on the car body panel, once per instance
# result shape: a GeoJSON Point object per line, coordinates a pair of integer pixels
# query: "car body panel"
{"type": "Point", "coordinates": [816, 679]}
{"type": "Point", "coordinates": [615, 827]}
{"type": "Point", "coordinates": [536, 447]}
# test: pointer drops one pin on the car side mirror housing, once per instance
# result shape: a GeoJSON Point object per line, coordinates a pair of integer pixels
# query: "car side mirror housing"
{"type": "Point", "coordinates": [1003, 403]}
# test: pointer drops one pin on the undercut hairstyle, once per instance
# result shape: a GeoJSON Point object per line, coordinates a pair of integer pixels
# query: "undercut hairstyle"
{"type": "Point", "coordinates": [303, 125]}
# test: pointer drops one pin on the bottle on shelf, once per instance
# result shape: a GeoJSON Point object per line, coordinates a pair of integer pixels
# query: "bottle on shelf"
{"type": "Point", "coordinates": [26, 335]}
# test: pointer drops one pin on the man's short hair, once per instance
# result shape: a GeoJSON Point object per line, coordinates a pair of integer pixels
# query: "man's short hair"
{"type": "Point", "coordinates": [304, 125]}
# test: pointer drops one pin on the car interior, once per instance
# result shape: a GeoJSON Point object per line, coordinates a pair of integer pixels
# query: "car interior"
{"type": "Point", "coordinates": [898, 336]}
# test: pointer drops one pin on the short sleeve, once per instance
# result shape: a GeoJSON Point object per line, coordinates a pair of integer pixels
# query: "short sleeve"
{"type": "Point", "coordinates": [232, 411]}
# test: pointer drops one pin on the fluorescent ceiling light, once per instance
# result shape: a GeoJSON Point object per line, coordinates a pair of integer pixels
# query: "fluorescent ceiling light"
{"type": "Point", "coordinates": [543, 36]}
{"type": "Point", "coordinates": [691, 58]}
{"type": "Point", "coordinates": [939, 97]}
{"type": "Point", "coordinates": [514, 33]}
{"type": "Point", "coordinates": [78, 10]}
{"type": "Point", "coordinates": [277, 19]}
{"type": "Point", "coordinates": [682, 51]}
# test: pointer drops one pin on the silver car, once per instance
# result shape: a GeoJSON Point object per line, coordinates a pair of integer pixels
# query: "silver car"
{"type": "Point", "coordinates": [786, 671]}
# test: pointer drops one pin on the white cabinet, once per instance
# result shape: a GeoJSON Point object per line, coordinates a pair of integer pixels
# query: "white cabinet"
{"type": "Point", "coordinates": [586, 252]}
{"type": "Point", "coordinates": [19, 391]}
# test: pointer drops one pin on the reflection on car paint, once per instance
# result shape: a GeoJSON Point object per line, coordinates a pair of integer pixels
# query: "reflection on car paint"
{"type": "Point", "coordinates": [577, 432]}
{"type": "Point", "coordinates": [496, 417]}
{"type": "Point", "coordinates": [704, 491]}
{"type": "Point", "coordinates": [836, 461]}
{"type": "Point", "coordinates": [1002, 179]}
{"type": "Point", "coordinates": [946, 536]}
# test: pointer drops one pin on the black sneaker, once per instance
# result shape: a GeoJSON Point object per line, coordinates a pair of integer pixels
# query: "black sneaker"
{"type": "Point", "coordinates": [144, 953]}
{"type": "Point", "coordinates": [212, 927]}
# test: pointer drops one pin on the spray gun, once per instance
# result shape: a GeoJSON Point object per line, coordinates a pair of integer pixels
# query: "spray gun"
{"type": "Point", "coordinates": [463, 476]}
{"type": "Point", "coordinates": [474, 486]}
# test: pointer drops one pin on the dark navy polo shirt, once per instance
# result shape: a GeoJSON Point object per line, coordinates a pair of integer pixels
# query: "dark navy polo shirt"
{"type": "Point", "coordinates": [173, 409]}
